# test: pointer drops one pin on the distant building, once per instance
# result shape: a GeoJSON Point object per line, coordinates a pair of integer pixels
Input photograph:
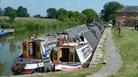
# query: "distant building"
{"type": "Point", "coordinates": [127, 16]}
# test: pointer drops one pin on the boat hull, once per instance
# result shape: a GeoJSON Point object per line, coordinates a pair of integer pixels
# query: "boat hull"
{"type": "Point", "coordinates": [24, 66]}
{"type": "Point", "coordinates": [66, 67]}
{"type": "Point", "coordinates": [62, 67]}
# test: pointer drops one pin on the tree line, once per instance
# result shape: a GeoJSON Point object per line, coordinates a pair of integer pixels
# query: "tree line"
{"type": "Point", "coordinates": [86, 16]}
{"type": "Point", "coordinates": [12, 13]}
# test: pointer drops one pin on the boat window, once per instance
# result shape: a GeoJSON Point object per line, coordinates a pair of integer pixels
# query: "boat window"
{"type": "Point", "coordinates": [85, 52]}
{"type": "Point", "coordinates": [48, 48]}
{"type": "Point", "coordinates": [31, 49]}
{"type": "Point", "coordinates": [45, 50]}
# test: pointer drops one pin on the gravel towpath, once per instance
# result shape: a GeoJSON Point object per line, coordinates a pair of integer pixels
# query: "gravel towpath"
{"type": "Point", "coordinates": [111, 56]}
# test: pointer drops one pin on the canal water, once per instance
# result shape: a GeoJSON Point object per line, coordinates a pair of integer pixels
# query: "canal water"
{"type": "Point", "coordinates": [8, 52]}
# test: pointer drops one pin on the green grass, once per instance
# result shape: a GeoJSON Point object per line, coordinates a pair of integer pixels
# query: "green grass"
{"type": "Point", "coordinates": [128, 46]}
{"type": "Point", "coordinates": [26, 26]}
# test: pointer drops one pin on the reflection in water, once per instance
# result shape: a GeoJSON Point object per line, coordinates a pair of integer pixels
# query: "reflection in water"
{"type": "Point", "coordinates": [12, 47]}
{"type": "Point", "coordinates": [6, 38]}
{"type": "Point", "coordinates": [7, 47]}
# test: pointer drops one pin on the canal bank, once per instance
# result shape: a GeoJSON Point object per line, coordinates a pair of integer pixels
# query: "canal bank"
{"type": "Point", "coordinates": [112, 58]}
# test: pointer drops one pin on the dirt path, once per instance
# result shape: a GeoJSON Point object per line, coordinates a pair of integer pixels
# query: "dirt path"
{"type": "Point", "coordinates": [111, 56]}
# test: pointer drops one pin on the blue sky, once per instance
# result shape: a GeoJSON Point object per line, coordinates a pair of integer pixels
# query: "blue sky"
{"type": "Point", "coordinates": [40, 6]}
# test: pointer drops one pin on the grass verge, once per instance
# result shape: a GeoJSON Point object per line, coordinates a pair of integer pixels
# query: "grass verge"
{"type": "Point", "coordinates": [75, 73]}
{"type": "Point", "coordinates": [128, 46]}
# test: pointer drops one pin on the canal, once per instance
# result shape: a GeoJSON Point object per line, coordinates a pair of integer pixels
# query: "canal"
{"type": "Point", "coordinates": [8, 52]}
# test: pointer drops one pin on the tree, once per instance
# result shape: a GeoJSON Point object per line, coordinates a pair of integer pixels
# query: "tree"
{"type": "Point", "coordinates": [70, 14]}
{"type": "Point", "coordinates": [52, 13]}
{"type": "Point", "coordinates": [62, 14]}
{"type": "Point", "coordinates": [9, 11]}
{"type": "Point", "coordinates": [22, 12]}
{"type": "Point", "coordinates": [109, 10]}
{"type": "Point", "coordinates": [37, 16]}
{"type": "Point", "coordinates": [91, 15]}
{"type": "Point", "coordinates": [1, 12]}
{"type": "Point", "coordinates": [77, 16]}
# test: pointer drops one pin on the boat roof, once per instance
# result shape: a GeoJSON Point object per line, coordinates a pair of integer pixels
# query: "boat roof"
{"type": "Point", "coordinates": [43, 39]}
{"type": "Point", "coordinates": [96, 31]}
{"type": "Point", "coordinates": [92, 40]}
{"type": "Point", "coordinates": [74, 32]}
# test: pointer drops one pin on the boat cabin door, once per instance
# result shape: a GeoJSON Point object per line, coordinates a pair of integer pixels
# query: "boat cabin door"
{"type": "Point", "coordinates": [64, 55]}
{"type": "Point", "coordinates": [31, 49]}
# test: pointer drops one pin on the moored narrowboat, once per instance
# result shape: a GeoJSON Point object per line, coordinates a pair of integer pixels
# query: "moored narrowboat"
{"type": "Point", "coordinates": [35, 56]}
{"type": "Point", "coordinates": [72, 56]}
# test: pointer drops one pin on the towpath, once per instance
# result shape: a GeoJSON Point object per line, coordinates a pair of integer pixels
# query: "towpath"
{"type": "Point", "coordinates": [111, 56]}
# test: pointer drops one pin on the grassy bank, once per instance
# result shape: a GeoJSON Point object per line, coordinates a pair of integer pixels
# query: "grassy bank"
{"type": "Point", "coordinates": [128, 46]}
{"type": "Point", "coordinates": [27, 26]}
{"type": "Point", "coordinates": [75, 73]}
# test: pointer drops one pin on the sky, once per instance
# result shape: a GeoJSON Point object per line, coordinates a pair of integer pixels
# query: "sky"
{"type": "Point", "coordinates": [40, 6]}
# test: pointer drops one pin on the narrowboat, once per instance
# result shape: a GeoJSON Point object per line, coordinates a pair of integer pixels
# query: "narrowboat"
{"type": "Point", "coordinates": [35, 56]}
{"type": "Point", "coordinates": [71, 54]}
